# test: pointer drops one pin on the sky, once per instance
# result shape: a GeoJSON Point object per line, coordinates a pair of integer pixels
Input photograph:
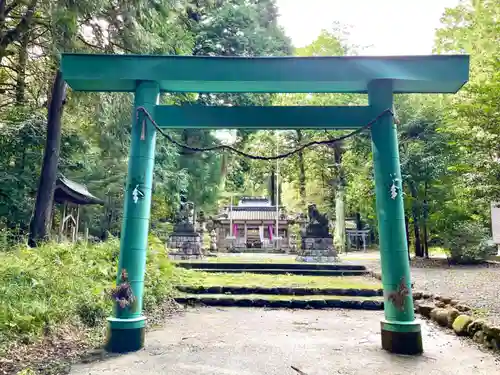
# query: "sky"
{"type": "Point", "coordinates": [382, 27]}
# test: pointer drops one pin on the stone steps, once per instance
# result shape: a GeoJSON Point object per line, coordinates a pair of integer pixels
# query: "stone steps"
{"type": "Point", "coordinates": [277, 271]}
{"type": "Point", "coordinates": [291, 302]}
{"type": "Point", "coordinates": [271, 266]}
{"type": "Point", "coordinates": [282, 291]}
{"type": "Point", "coordinates": [308, 269]}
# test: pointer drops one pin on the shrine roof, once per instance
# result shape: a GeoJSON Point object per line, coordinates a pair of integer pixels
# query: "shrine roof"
{"type": "Point", "coordinates": [73, 192]}
{"type": "Point", "coordinates": [214, 74]}
{"type": "Point", "coordinates": [246, 213]}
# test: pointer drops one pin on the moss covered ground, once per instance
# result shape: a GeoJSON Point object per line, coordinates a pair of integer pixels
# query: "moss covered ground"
{"type": "Point", "coordinates": [197, 278]}
{"type": "Point", "coordinates": [282, 297]}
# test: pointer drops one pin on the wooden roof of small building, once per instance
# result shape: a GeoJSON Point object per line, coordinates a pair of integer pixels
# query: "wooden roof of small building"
{"type": "Point", "coordinates": [252, 214]}
{"type": "Point", "coordinates": [68, 191]}
{"type": "Point", "coordinates": [252, 209]}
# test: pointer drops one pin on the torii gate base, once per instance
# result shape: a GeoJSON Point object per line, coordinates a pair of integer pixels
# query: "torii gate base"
{"type": "Point", "coordinates": [380, 77]}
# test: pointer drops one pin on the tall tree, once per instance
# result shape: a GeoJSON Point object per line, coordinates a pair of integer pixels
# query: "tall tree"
{"type": "Point", "coordinates": [16, 19]}
{"type": "Point", "coordinates": [127, 27]}
{"type": "Point", "coordinates": [473, 114]}
{"type": "Point", "coordinates": [227, 28]}
{"type": "Point", "coordinates": [39, 227]}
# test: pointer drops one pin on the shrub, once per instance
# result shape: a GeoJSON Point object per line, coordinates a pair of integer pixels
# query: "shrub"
{"type": "Point", "coordinates": [469, 242]}
{"type": "Point", "coordinates": [64, 283]}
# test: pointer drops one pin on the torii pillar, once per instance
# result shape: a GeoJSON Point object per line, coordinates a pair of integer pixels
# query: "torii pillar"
{"type": "Point", "coordinates": [380, 77]}
{"type": "Point", "coordinates": [127, 327]}
{"type": "Point", "coordinates": [400, 331]}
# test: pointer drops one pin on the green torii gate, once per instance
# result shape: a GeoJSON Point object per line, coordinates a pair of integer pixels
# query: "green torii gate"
{"type": "Point", "coordinates": [380, 77]}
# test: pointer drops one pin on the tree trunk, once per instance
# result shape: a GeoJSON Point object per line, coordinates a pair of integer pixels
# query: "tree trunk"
{"type": "Point", "coordinates": [425, 241]}
{"type": "Point", "coordinates": [21, 70]}
{"type": "Point", "coordinates": [359, 222]}
{"type": "Point", "coordinates": [223, 171]}
{"type": "Point", "coordinates": [339, 237]}
{"type": "Point", "coordinates": [9, 35]}
{"type": "Point", "coordinates": [425, 214]}
{"type": "Point", "coordinates": [45, 194]}
{"type": "Point", "coordinates": [302, 171]}
{"type": "Point", "coordinates": [416, 232]}
{"type": "Point", "coordinates": [416, 224]}
{"type": "Point", "coordinates": [272, 186]}
{"type": "Point", "coordinates": [407, 229]}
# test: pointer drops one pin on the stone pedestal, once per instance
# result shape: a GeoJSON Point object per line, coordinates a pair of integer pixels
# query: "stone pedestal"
{"type": "Point", "coordinates": [317, 250]}
{"type": "Point", "coordinates": [184, 243]}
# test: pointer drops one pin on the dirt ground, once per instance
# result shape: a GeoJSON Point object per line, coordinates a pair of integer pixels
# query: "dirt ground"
{"type": "Point", "coordinates": [237, 341]}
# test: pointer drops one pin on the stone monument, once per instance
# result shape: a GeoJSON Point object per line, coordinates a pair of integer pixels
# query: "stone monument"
{"type": "Point", "coordinates": [213, 241]}
{"type": "Point", "coordinates": [185, 242]}
{"type": "Point", "coordinates": [317, 242]}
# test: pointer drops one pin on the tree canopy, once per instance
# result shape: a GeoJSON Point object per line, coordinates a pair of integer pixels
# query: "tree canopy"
{"type": "Point", "coordinates": [449, 144]}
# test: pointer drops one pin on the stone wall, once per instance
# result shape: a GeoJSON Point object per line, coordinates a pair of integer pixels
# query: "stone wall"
{"type": "Point", "coordinates": [185, 246]}
{"type": "Point", "coordinates": [317, 250]}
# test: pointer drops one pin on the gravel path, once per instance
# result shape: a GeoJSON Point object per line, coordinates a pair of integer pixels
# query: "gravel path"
{"type": "Point", "coordinates": [269, 342]}
{"type": "Point", "coordinates": [478, 286]}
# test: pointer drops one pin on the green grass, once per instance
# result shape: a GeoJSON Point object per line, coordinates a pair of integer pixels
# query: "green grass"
{"type": "Point", "coordinates": [269, 297]}
{"type": "Point", "coordinates": [65, 285]}
{"type": "Point", "coordinates": [198, 278]}
{"type": "Point", "coordinates": [286, 259]}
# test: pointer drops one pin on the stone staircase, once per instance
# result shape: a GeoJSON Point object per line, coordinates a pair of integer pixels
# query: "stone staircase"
{"type": "Point", "coordinates": [294, 298]}
{"type": "Point", "coordinates": [310, 269]}
{"type": "Point", "coordinates": [280, 297]}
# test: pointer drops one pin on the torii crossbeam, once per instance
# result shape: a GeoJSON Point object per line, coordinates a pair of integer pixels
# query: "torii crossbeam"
{"type": "Point", "coordinates": [379, 77]}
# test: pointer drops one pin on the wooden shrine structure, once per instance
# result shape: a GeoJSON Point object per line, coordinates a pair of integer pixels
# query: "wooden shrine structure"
{"type": "Point", "coordinates": [71, 195]}
{"type": "Point", "coordinates": [252, 225]}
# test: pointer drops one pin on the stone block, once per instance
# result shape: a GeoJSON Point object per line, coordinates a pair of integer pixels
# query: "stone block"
{"type": "Point", "coordinates": [479, 337]}
{"type": "Point", "coordinates": [462, 308]}
{"type": "Point", "coordinates": [417, 295]}
{"type": "Point", "coordinates": [185, 245]}
{"type": "Point", "coordinates": [440, 304]}
{"type": "Point", "coordinates": [372, 305]}
{"type": "Point", "coordinates": [452, 315]}
{"type": "Point", "coordinates": [440, 316]}
{"type": "Point", "coordinates": [316, 259]}
{"type": "Point", "coordinates": [318, 243]}
{"type": "Point", "coordinates": [461, 324]}
{"type": "Point", "coordinates": [475, 326]}
{"type": "Point", "coordinates": [495, 333]}
{"type": "Point", "coordinates": [425, 309]}
{"type": "Point", "coordinates": [182, 256]}
{"type": "Point", "coordinates": [320, 250]}
{"type": "Point", "coordinates": [446, 300]}
{"type": "Point", "coordinates": [318, 304]}
{"type": "Point", "coordinates": [495, 343]}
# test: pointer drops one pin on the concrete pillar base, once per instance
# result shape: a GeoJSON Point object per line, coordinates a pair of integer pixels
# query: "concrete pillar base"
{"type": "Point", "coordinates": [125, 335]}
{"type": "Point", "coordinates": [402, 337]}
